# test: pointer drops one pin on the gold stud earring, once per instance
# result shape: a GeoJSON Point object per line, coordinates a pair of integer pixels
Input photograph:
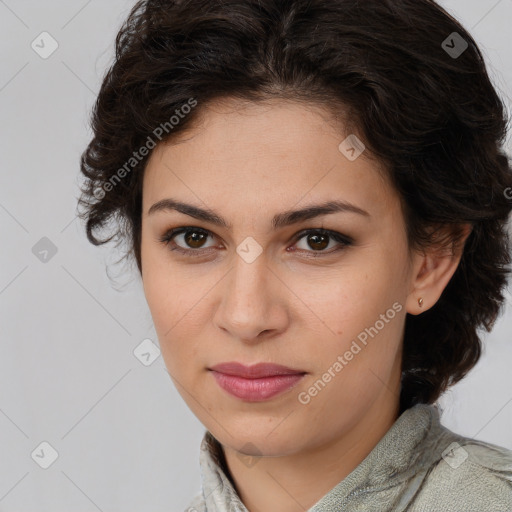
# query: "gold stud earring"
{"type": "Point", "coordinates": [420, 302]}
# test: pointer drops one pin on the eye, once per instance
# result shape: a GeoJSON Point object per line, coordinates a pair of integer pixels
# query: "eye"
{"type": "Point", "coordinates": [318, 239]}
{"type": "Point", "coordinates": [192, 241]}
{"type": "Point", "coordinates": [193, 237]}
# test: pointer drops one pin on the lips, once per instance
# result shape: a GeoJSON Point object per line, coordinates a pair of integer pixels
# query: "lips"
{"type": "Point", "coordinates": [255, 383]}
{"type": "Point", "coordinates": [256, 371]}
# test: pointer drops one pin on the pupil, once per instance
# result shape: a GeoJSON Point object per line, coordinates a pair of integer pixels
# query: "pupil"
{"type": "Point", "coordinates": [316, 237]}
{"type": "Point", "coordinates": [196, 240]}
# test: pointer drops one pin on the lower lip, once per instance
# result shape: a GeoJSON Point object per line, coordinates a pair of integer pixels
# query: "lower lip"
{"type": "Point", "coordinates": [256, 390]}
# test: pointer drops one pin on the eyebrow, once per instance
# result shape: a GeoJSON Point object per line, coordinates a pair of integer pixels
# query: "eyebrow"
{"type": "Point", "coordinates": [280, 220]}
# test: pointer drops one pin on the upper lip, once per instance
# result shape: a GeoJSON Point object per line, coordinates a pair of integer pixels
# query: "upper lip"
{"type": "Point", "coordinates": [254, 371]}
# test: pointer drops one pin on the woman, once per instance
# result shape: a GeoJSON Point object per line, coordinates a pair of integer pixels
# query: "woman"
{"type": "Point", "coordinates": [316, 197]}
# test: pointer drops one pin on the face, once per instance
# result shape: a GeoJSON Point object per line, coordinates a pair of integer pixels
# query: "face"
{"type": "Point", "coordinates": [330, 304]}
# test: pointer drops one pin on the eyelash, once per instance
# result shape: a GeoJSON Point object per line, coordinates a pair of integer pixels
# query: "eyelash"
{"type": "Point", "coordinates": [344, 240]}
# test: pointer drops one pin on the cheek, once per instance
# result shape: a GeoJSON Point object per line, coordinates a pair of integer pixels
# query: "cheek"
{"type": "Point", "coordinates": [348, 300]}
{"type": "Point", "coordinates": [156, 290]}
{"type": "Point", "coordinates": [165, 305]}
{"type": "Point", "coordinates": [176, 311]}
{"type": "Point", "coordinates": [160, 283]}
{"type": "Point", "coordinates": [360, 317]}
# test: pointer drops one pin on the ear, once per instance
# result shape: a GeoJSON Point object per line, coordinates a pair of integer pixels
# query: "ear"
{"type": "Point", "coordinates": [434, 268]}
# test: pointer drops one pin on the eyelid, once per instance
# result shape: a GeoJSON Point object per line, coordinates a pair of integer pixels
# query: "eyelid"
{"type": "Point", "coordinates": [343, 241]}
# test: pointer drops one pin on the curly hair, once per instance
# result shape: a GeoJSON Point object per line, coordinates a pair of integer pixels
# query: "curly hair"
{"type": "Point", "coordinates": [416, 89]}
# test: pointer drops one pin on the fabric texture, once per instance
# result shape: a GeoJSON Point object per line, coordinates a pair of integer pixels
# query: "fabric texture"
{"type": "Point", "coordinates": [418, 466]}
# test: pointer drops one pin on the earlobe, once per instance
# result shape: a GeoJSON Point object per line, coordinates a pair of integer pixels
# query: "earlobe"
{"type": "Point", "coordinates": [432, 279]}
{"type": "Point", "coordinates": [417, 300]}
{"type": "Point", "coordinates": [416, 305]}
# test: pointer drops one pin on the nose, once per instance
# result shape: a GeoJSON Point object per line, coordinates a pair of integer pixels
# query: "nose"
{"type": "Point", "coordinates": [253, 306]}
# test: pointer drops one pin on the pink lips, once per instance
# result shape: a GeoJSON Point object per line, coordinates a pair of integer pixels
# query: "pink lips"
{"type": "Point", "coordinates": [255, 383]}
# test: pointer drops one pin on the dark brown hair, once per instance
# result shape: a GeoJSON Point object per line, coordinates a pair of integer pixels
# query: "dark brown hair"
{"type": "Point", "coordinates": [417, 94]}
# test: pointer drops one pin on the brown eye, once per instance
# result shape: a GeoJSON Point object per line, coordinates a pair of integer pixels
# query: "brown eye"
{"type": "Point", "coordinates": [191, 240]}
{"type": "Point", "coordinates": [319, 240]}
{"type": "Point", "coordinates": [194, 239]}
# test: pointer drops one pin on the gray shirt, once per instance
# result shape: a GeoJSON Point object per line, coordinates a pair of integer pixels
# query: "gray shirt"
{"type": "Point", "coordinates": [418, 466]}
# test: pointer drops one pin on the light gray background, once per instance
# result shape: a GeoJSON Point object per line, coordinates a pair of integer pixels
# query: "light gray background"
{"type": "Point", "coordinates": [68, 374]}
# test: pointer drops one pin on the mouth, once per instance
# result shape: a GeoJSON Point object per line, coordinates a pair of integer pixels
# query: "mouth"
{"type": "Point", "coordinates": [255, 383]}
{"type": "Point", "coordinates": [255, 371]}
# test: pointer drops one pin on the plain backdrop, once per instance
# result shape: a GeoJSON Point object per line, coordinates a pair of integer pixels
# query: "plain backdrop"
{"type": "Point", "coordinates": [119, 437]}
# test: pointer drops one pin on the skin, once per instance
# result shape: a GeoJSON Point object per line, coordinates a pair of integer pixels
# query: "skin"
{"type": "Point", "coordinates": [248, 162]}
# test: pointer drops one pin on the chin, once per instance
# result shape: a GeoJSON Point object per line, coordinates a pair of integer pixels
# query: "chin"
{"type": "Point", "coordinates": [259, 440]}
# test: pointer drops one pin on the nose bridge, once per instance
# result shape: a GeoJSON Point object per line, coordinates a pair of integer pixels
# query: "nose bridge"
{"type": "Point", "coordinates": [247, 303]}
{"type": "Point", "coordinates": [247, 283]}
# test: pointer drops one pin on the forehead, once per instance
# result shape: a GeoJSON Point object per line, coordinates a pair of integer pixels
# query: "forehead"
{"type": "Point", "coordinates": [257, 158]}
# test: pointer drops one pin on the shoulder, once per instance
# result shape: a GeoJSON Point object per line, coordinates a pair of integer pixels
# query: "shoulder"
{"type": "Point", "coordinates": [470, 475]}
{"type": "Point", "coordinates": [197, 504]}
